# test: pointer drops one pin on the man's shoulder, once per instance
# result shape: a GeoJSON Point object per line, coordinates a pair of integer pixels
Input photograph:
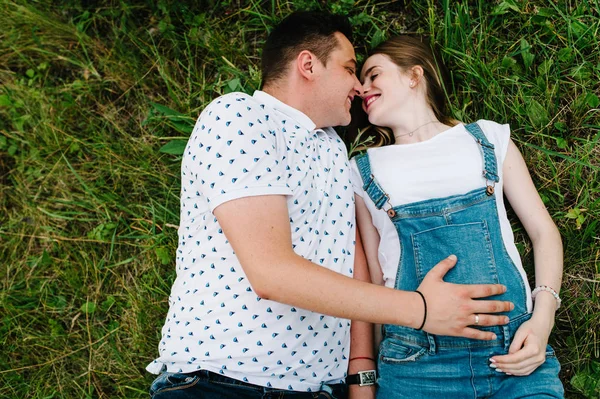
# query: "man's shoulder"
{"type": "Point", "coordinates": [239, 117]}
{"type": "Point", "coordinates": [230, 110]}
{"type": "Point", "coordinates": [231, 102]}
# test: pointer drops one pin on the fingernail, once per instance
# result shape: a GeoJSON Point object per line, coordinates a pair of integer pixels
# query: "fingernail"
{"type": "Point", "coordinates": [498, 370]}
{"type": "Point", "coordinates": [504, 288]}
{"type": "Point", "coordinates": [494, 336]}
{"type": "Point", "coordinates": [493, 365]}
{"type": "Point", "coordinates": [492, 360]}
{"type": "Point", "coordinates": [452, 257]}
{"type": "Point", "coordinates": [508, 373]}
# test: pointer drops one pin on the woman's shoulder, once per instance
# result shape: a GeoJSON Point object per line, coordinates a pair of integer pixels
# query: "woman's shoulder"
{"type": "Point", "coordinates": [497, 133]}
{"type": "Point", "coordinates": [372, 152]}
{"type": "Point", "coordinates": [493, 127]}
{"type": "Point", "coordinates": [355, 167]}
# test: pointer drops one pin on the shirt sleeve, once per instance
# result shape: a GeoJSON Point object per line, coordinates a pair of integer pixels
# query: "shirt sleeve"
{"type": "Point", "coordinates": [233, 152]}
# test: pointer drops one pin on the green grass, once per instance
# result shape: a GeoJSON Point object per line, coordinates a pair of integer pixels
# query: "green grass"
{"type": "Point", "coordinates": [89, 204]}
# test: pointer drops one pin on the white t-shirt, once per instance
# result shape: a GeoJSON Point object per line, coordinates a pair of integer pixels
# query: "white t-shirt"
{"type": "Point", "coordinates": [245, 146]}
{"type": "Point", "coordinates": [448, 164]}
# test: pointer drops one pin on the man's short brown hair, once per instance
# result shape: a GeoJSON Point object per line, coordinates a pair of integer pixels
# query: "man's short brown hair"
{"type": "Point", "coordinates": [304, 30]}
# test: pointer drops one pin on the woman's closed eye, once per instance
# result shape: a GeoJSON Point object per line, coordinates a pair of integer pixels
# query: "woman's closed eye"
{"type": "Point", "coordinates": [371, 77]}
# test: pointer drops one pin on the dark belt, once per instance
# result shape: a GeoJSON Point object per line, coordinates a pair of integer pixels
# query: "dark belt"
{"type": "Point", "coordinates": [340, 391]}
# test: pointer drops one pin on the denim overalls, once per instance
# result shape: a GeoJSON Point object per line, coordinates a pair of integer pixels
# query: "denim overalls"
{"type": "Point", "coordinates": [416, 364]}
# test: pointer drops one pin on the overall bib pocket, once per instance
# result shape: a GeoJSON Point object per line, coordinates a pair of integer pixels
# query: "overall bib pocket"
{"type": "Point", "coordinates": [470, 242]}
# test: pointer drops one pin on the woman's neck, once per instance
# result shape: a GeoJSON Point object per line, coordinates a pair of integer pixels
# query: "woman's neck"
{"type": "Point", "coordinates": [416, 126]}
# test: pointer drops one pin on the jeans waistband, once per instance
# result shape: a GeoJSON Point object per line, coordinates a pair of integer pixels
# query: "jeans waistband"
{"type": "Point", "coordinates": [504, 335]}
{"type": "Point", "coordinates": [337, 390]}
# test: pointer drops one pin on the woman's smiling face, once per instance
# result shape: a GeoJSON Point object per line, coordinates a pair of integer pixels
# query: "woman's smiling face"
{"type": "Point", "coordinates": [386, 88]}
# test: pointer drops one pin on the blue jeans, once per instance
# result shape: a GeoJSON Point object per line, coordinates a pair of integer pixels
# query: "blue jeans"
{"type": "Point", "coordinates": [422, 369]}
{"type": "Point", "coordinates": [205, 384]}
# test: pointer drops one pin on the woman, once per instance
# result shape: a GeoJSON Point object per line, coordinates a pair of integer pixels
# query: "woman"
{"type": "Point", "coordinates": [429, 187]}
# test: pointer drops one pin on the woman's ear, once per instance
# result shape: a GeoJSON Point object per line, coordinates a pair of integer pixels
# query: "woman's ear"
{"type": "Point", "coordinates": [416, 75]}
{"type": "Point", "coordinates": [305, 62]}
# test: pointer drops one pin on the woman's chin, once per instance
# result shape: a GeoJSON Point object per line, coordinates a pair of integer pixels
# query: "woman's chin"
{"type": "Point", "coordinates": [374, 120]}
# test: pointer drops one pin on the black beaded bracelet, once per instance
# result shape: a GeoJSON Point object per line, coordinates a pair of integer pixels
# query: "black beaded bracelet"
{"type": "Point", "coordinates": [424, 312]}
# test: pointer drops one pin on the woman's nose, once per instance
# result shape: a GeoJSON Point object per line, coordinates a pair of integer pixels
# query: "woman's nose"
{"type": "Point", "coordinates": [363, 90]}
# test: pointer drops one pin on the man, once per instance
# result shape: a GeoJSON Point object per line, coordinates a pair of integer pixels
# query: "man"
{"type": "Point", "coordinates": [264, 286]}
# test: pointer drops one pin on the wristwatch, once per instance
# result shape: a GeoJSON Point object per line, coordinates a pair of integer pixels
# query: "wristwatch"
{"type": "Point", "coordinates": [363, 378]}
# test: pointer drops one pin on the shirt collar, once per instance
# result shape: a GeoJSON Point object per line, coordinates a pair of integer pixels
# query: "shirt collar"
{"type": "Point", "coordinates": [282, 107]}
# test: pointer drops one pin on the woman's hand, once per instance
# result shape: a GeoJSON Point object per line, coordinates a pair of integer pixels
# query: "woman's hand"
{"type": "Point", "coordinates": [527, 350]}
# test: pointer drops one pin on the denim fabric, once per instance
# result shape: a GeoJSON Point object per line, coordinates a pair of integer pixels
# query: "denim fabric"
{"type": "Point", "coordinates": [422, 370]}
{"type": "Point", "coordinates": [204, 384]}
{"type": "Point", "coordinates": [417, 364]}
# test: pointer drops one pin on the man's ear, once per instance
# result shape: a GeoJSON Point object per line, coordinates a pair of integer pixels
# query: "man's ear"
{"type": "Point", "coordinates": [305, 63]}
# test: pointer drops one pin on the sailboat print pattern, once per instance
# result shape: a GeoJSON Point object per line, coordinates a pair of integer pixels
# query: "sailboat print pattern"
{"type": "Point", "coordinates": [245, 146]}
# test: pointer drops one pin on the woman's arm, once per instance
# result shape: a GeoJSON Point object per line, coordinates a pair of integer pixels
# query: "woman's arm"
{"type": "Point", "coordinates": [362, 355]}
{"type": "Point", "coordinates": [528, 349]}
{"type": "Point", "coordinates": [547, 244]}
{"type": "Point", "coordinates": [371, 240]}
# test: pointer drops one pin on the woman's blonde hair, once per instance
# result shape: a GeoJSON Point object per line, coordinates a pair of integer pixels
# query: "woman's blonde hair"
{"type": "Point", "coordinates": [406, 52]}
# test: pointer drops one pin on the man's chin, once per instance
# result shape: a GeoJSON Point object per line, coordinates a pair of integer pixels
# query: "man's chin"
{"type": "Point", "coordinates": [339, 121]}
{"type": "Point", "coordinates": [345, 122]}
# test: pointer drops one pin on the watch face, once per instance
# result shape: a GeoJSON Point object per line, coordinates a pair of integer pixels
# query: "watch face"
{"type": "Point", "coordinates": [367, 377]}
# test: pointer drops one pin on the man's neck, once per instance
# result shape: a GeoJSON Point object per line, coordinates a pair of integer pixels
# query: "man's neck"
{"type": "Point", "coordinates": [292, 96]}
{"type": "Point", "coordinates": [284, 95]}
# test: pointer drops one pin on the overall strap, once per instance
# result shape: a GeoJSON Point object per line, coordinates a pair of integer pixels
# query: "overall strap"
{"type": "Point", "coordinates": [490, 167]}
{"type": "Point", "coordinates": [370, 185]}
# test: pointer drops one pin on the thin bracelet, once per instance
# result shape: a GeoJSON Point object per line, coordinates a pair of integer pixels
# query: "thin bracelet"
{"type": "Point", "coordinates": [424, 311]}
{"type": "Point", "coordinates": [361, 357]}
{"type": "Point", "coordinates": [546, 288]}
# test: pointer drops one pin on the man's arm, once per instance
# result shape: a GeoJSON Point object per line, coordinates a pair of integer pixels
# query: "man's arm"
{"type": "Point", "coordinates": [258, 229]}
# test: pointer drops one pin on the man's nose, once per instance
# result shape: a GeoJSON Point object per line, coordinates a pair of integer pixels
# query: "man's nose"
{"type": "Point", "coordinates": [358, 88]}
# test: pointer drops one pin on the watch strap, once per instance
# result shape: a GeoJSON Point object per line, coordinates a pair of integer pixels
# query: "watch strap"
{"type": "Point", "coordinates": [363, 378]}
